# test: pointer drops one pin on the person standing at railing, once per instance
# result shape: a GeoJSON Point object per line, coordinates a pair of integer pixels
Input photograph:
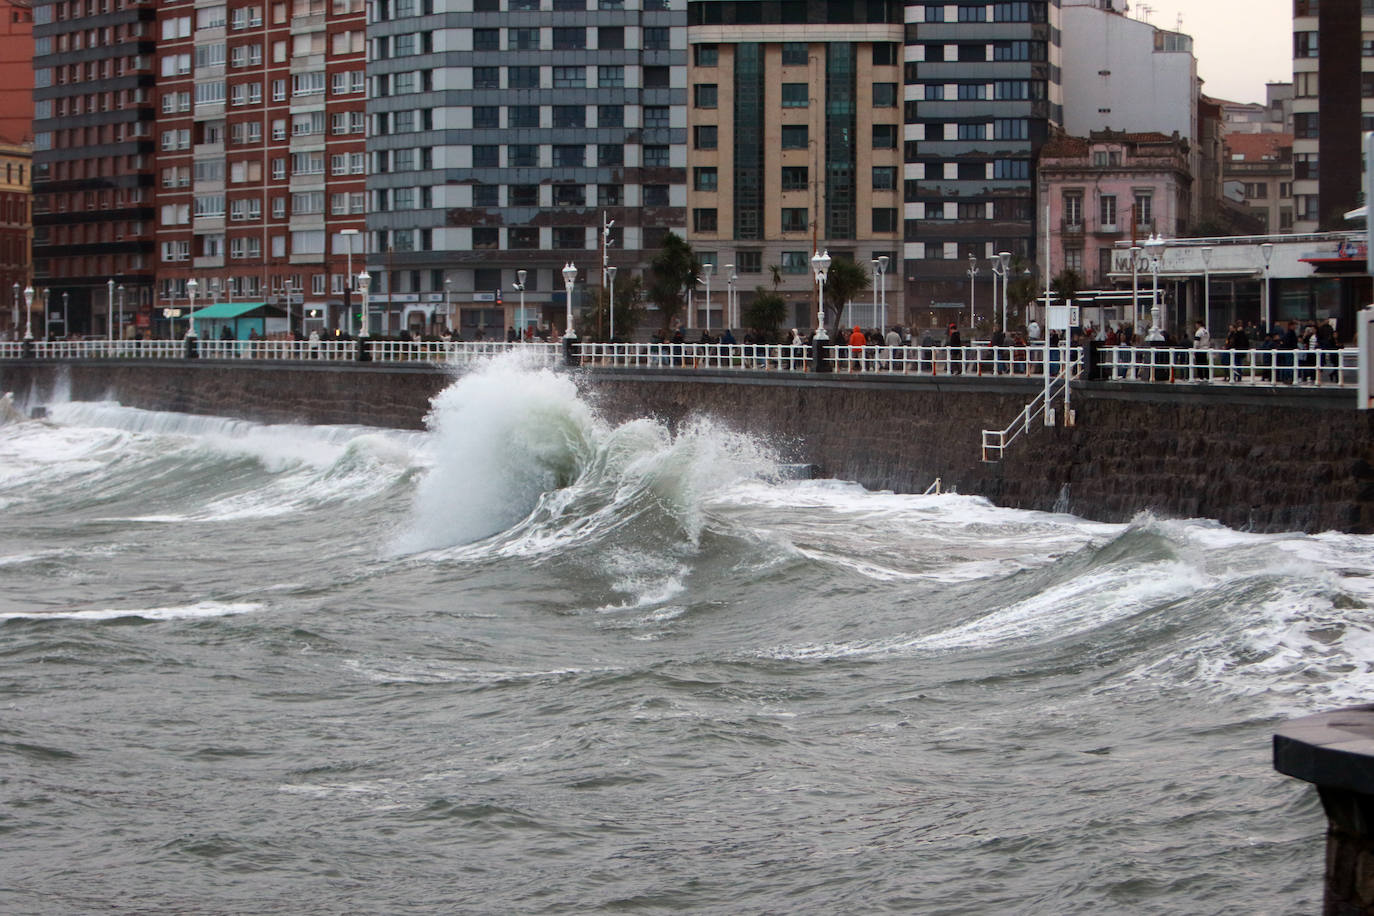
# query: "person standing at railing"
{"type": "Point", "coordinates": [955, 343]}
{"type": "Point", "coordinates": [1237, 340]}
{"type": "Point", "coordinates": [1202, 342]}
{"type": "Point", "coordinates": [857, 341]}
{"type": "Point", "coordinates": [314, 344]}
{"type": "Point", "coordinates": [891, 343]}
{"type": "Point", "coordinates": [998, 340]}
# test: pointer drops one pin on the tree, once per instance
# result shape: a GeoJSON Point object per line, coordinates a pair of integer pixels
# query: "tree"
{"type": "Point", "coordinates": [672, 271]}
{"type": "Point", "coordinates": [1067, 283]}
{"type": "Point", "coordinates": [1023, 285]}
{"type": "Point", "coordinates": [844, 282]}
{"type": "Point", "coordinates": [629, 307]}
{"type": "Point", "coordinates": [776, 272]}
{"type": "Point", "coordinates": [765, 312]}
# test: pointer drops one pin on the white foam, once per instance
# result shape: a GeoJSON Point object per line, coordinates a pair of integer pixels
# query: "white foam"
{"type": "Point", "coordinates": [183, 612]}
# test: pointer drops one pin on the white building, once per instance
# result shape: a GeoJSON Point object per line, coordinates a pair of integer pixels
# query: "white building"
{"type": "Point", "coordinates": [1126, 75]}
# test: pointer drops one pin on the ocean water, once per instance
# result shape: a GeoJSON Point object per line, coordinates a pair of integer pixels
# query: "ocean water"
{"type": "Point", "coordinates": [530, 662]}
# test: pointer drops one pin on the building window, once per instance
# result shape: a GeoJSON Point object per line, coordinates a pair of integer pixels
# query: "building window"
{"type": "Point", "coordinates": [705, 55]}
{"type": "Point", "coordinates": [885, 53]}
{"type": "Point", "coordinates": [1305, 44]}
{"type": "Point", "coordinates": [657, 117]}
{"type": "Point", "coordinates": [705, 95]}
{"type": "Point", "coordinates": [522, 155]}
{"type": "Point", "coordinates": [705, 136]}
{"type": "Point", "coordinates": [794, 136]}
{"type": "Point", "coordinates": [569, 237]}
{"type": "Point", "coordinates": [610, 155]}
{"type": "Point", "coordinates": [569, 77]}
{"type": "Point", "coordinates": [569, 195]}
{"type": "Point", "coordinates": [655, 195]}
{"type": "Point", "coordinates": [884, 219]}
{"type": "Point", "coordinates": [1106, 213]}
{"type": "Point", "coordinates": [656, 157]}
{"type": "Point", "coordinates": [795, 178]}
{"type": "Point", "coordinates": [486, 39]}
{"type": "Point", "coordinates": [794, 53]}
{"type": "Point", "coordinates": [656, 38]}
{"type": "Point", "coordinates": [522, 77]}
{"type": "Point", "coordinates": [1145, 210]}
{"type": "Point", "coordinates": [523, 195]}
{"type": "Point", "coordinates": [571, 39]}
{"type": "Point", "coordinates": [486, 237]}
{"type": "Point", "coordinates": [704, 219]}
{"type": "Point", "coordinates": [884, 95]}
{"type": "Point", "coordinates": [749, 262]}
{"type": "Point", "coordinates": [795, 262]}
{"type": "Point", "coordinates": [884, 136]}
{"type": "Point", "coordinates": [610, 76]}
{"type": "Point", "coordinates": [569, 156]}
{"type": "Point", "coordinates": [610, 116]}
{"type": "Point", "coordinates": [522, 116]}
{"type": "Point", "coordinates": [565, 116]}
{"type": "Point", "coordinates": [486, 157]}
{"type": "Point", "coordinates": [1073, 260]}
{"type": "Point", "coordinates": [704, 178]}
{"type": "Point", "coordinates": [610, 38]}
{"type": "Point", "coordinates": [609, 195]}
{"type": "Point", "coordinates": [1305, 125]}
{"type": "Point", "coordinates": [794, 95]}
{"type": "Point", "coordinates": [486, 77]}
{"type": "Point", "coordinates": [794, 219]}
{"type": "Point", "coordinates": [884, 178]}
{"type": "Point", "coordinates": [486, 117]}
{"type": "Point", "coordinates": [522, 237]}
{"type": "Point", "coordinates": [1073, 210]}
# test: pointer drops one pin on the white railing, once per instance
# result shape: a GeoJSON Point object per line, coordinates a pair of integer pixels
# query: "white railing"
{"type": "Point", "coordinates": [1318, 368]}
{"type": "Point", "coordinates": [996, 441]}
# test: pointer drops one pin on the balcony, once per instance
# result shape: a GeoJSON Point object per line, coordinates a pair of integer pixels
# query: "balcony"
{"type": "Point", "coordinates": [1071, 228]}
{"type": "Point", "coordinates": [1107, 229]}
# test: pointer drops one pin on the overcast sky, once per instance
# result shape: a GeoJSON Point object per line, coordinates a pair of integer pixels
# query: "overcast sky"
{"type": "Point", "coordinates": [1240, 44]}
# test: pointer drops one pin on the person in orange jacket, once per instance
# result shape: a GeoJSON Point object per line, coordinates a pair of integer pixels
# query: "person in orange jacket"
{"type": "Point", "coordinates": [857, 341]}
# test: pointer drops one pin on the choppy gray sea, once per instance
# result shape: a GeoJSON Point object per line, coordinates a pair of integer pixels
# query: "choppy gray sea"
{"type": "Point", "coordinates": [529, 662]}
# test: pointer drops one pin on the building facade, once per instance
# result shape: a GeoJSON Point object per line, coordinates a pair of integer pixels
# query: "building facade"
{"type": "Point", "coordinates": [1258, 173]}
{"type": "Point", "coordinates": [794, 125]}
{"type": "Point", "coordinates": [520, 135]}
{"type": "Point", "coordinates": [982, 92]}
{"type": "Point", "coordinates": [94, 158]}
{"type": "Point", "coordinates": [1108, 188]}
{"type": "Point", "coordinates": [1333, 101]}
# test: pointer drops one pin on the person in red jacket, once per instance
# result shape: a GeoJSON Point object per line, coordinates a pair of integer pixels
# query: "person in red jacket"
{"type": "Point", "coordinates": [857, 341]}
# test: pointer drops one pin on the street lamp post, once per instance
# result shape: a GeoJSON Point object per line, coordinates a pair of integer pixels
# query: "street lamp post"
{"type": "Point", "coordinates": [109, 304]}
{"type": "Point", "coordinates": [364, 281]}
{"type": "Point", "coordinates": [47, 316]}
{"type": "Point", "coordinates": [1267, 252]}
{"type": "Point", "coordinates": [121, 310]}
{"type": "Point", "coordinates": [191, 349]}
{"type": "Point", "coordinates": [1004, 259]}
{"type": "Point", "coordinates": [348, 277]}
{"type": "Point", "coordinates": [1206, 286]}
{"type": "Point", "coordinates": [820, 264]}
{"type": "Point", "coordinates": [520, 276]}
{"type": "Point", "coordinates": [569, 334]}
{"type": "Point", "coordinates": [28, 309]}
{"type": "Point", "coordinates": [1154, 246]}
{"type": "Point", "coordinates": [707, 269]}
{"type": "Point", "coordinates": [66, 328]}
{"type": "Point", "coordinates": [448, 305]}
{"type": "Point", "coordinates": [14, 330]}
{"type": "Point", "coordinates": [993, 265]}
{"type": "Point", "coordinates": [734, 307]}
{"type": "Point", "coordinates": [1135, 290]}
{"type": "Point", "coordinates": [730, 278]}
{"type": "Point", "coordinates": [972, 273]}
{"type": "Point", "coordinates": [881, 263]}
{"type": "Point", "coordinates": [286, 289]}
{"type": "Point", "coordinates": [610, 307]}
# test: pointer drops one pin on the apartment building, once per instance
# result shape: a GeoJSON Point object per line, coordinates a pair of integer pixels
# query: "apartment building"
{"type": "Point", "coordinates": [1333, 101]}
{"type": "Point", "coordinates": [794, 123]}
{"type": "Point", "coordinates": [1258, 173]}
{"type": "Point", "coordinates": [1111, 187]}
{"type": "Point", "coordinates": [260, 154]}
{"type": "Point", "coordinates": [520, 135]}
{"type": "Point", "coordinates": [94, 67]}
{"type": "Point", "coordinates": [982, 91]}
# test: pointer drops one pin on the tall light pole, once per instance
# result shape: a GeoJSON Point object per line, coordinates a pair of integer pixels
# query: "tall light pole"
{"type": "Point", "coordinates": [730, 278]}
{"type": "Point", "coordinates": [1206, 285]}
{"type": "Point", "coordinates": [191, 287]}
{"type": "Point", "coordinates": [109, 303]}
{"type": "Point", "coordinates": [610, 275]}
{"type": "Point", "coordinates": [286, 288]}
{"type": "Point", "coordinates": [121, 311]}
{"type": "Point", "coordinates": [14, 332]}
{"type": "Point", "coordinates": [28, 308]}
{"type": "Point", "coordinates": [1154, 248]}
{"type": "Point", "coordinates": [736, 320]}
{"type": "Point", "coordinates": [1004, 258]}
{"type": "Point", "coordinates": [706, 270]}
{"type": "Point", "coordinates": [820, 263]}
{"type": "Point", "coordinates": [448, 305]}
{"type": "Point", "coordinates": [364, 281]}
{"type": "Point", "coordinates": [569, 278]}
{"type": "Point", "coordinates": [881, 263]}
{"type": "Point", "coordinates": [348, 277]}
{"type": "Point", "coordinates": [66, 328]}
{"type": "Point", "coordinates": [520, 276]}
{"type": "Point", "coordinates": [972, 273]}
{"type": "Point", "coordinates": [1135, 290]}
{"type": "Point", "coordinates": [993, 265]}
{"type": "Point", "coordinates": [1267, 252]}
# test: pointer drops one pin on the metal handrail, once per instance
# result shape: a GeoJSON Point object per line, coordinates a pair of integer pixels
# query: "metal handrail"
{"type": "Point", "coordinates": [1171, 365]}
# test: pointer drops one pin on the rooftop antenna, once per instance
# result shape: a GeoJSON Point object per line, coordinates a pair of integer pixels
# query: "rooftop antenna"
{"type": "Point", "coordinates": [1145, 11]}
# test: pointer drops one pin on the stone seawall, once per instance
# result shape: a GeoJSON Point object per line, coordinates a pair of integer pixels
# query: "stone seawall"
{"type": "Point", "coordinates": [1258, 459]}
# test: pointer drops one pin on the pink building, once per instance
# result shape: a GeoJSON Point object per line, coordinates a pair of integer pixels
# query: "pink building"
{"type": "Point", "coordinates": [1110, 187]}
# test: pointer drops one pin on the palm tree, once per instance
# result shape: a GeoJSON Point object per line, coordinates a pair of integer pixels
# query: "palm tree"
{"type": "Point", "coordinates": [673, 270]}
{"type": "Point", "coordinates": [765, 312]}
{"type": "Point", "coordinates": [844, 282]}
